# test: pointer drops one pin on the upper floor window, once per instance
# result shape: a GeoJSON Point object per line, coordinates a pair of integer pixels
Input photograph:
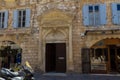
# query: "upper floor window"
{"type": "Point", "coordinates": [118, 7]}
{"type": "Point", "coordinates": [3, 19]}
{"type": "Point", "coordinates": [94, 15]}
{"type": "Point", "coordinates": [21, 18]}
{"type": "Point", "coordinates": [115, 13]}
{"type": "Point", "coordinates": [96, 8]}
{"type": "Point", "coordinates": [90, 9]}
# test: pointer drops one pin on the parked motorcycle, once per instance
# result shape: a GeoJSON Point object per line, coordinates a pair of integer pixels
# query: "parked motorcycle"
{"type": "Point", "coordinates": [25, 73]}
{"type": "Point", "coordinates": [8, 74]}
{"type": "Point", "coordinates": [28, 73]}
{"type": "Point", "coordinates": [2, 78]}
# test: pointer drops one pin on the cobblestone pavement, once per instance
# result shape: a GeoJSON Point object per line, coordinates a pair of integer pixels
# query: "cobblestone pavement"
{"type": "Point", "coordinates": [78, 77]}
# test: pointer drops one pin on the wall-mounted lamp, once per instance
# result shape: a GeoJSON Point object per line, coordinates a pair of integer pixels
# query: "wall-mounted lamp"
{"type": "Point", "coordinates": [82, 35]}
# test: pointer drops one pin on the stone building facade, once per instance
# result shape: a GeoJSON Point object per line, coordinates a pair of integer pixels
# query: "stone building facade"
{"type": "Point", "coordinates": [58, 39]}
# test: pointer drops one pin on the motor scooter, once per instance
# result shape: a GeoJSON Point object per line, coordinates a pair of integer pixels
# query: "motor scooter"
{"type": "Point", "coordinates": [8, 74]}
{"type": "Point", "coordinates": [28, 73]}
{"type": "Point", "coordinates": [2, 78]}
{"type": "Point", "coordinates": [25, 73]}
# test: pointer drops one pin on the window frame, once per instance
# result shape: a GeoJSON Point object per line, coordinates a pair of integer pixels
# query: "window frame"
{"type": "Point", "coordinates": [21, 22]}
{"type": "Point", "coordinates": [118, 9]}
{"type": "Point", "coordinates": [92, 15]}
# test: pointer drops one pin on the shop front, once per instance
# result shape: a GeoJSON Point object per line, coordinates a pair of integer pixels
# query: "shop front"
{"type": "Point", "coordinates": [103, 57]}
{"type": "Point", "coordinates": [10, 54]}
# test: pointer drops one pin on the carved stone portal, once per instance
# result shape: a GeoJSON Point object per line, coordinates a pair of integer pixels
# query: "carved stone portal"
{"type": "Point", "coordinates": [56, 27]}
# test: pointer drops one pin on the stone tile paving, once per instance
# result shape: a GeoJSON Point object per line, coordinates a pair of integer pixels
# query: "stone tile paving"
{"type": "Point", "coordinates": [78, 77]}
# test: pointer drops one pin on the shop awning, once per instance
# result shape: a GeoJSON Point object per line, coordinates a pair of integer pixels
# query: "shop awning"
{"type": "Point", "coordinates": [100, 32]}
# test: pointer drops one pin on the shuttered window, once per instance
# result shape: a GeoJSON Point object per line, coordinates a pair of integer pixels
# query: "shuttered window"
{"type": "Point", "coordinates": [116, 13]}
{"type": "Point", "coordinates": [94, 15]}
{"type": "Point", "coordinates": [21, 18]}
{"type": "Point", "coordinates": [3, 19]}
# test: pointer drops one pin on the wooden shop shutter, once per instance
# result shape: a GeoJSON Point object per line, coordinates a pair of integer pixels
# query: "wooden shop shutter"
{"type": "Point", "coordinates": [85, 60]}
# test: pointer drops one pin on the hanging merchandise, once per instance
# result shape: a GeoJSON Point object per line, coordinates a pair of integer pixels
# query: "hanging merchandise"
{"type": "Point", "coordinates": [18, 58]}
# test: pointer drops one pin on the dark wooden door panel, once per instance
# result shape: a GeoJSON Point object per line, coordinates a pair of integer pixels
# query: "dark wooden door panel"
{"type": "Point", "coordinates": [50, 57]}
{"type": "Point", "coordinates": [85, 60]}
{"type": "Point", "coordinates": [60, 57]}
{"type": "Point", "coordinates": [55, 57]}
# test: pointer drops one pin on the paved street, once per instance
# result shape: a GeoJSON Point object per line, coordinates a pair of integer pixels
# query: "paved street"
{"type": "Point", "coordinates": [78, 77]}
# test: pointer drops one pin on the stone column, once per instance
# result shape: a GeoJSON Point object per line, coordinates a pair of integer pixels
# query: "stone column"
{"type": "Point", "coordinates": [70, 54]}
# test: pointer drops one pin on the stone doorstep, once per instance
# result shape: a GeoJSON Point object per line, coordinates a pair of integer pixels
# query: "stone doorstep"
{"type": "Point", "coordinates": [105, 74]}
{"type": "Point", "coordinates": [64, 74]}
{"type": "Point", "coordinates": [54, 74]}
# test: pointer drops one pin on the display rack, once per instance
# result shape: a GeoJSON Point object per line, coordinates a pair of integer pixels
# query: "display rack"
{"type": "Point", "coordinates": [99, 67]}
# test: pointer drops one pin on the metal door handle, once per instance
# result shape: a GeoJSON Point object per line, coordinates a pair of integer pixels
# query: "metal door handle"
{"type": "Point", "coordinates": [61, 58]}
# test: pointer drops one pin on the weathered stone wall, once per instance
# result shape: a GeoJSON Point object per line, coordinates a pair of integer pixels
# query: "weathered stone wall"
{"type": "Point", "coordinates": [74, 8]}
{"type": "Point", "coordinates": [31, 39]}
{"type": "Point", "coordinates": [55, 16]}
{"type": "Point", "coordinates": [26, 38]}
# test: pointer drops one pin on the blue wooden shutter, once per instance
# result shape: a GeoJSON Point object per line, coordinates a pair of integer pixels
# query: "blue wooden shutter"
{"type": "Point", "coordinates": [91, 16]}
{"type": "Point", "coordinates": [103, 17]}
{"type": "Point", "coordinates": [15, 19]}
{"type": "Point", "coordinates": [85, 15]}
{"type": "Point", "coordinates": [6, 19]}
{"type": "Point", "coordinates": [27, 21]}
{"type": "Point", "coordinates": [114, 13]}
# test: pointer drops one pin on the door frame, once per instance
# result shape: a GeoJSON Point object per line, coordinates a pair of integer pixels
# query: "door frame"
{"type": "Point", "coordinates": [56, 60]}
{"type": "Point", "coordinates": [66, 37]}
{"type": "Point", "coordinates": [44, 55]}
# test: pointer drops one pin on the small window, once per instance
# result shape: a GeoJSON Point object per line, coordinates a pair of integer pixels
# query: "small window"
{"type": "Point", "coordinates": [96, 8]}
{"type": "Point", "coordinates": [94, 18]}
{"type": "Point", "coordinates": [21, 18]}
{"type": "Point", "coordinates": [118, 7]}
{"type": "Point", "coordinates": [90, 8]}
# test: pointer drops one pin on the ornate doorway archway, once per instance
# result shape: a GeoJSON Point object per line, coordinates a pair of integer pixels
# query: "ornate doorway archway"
{"type": "Point", "coordinates": [56, 28]}
{"type": "Point", "coordinates": [56, 50]}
